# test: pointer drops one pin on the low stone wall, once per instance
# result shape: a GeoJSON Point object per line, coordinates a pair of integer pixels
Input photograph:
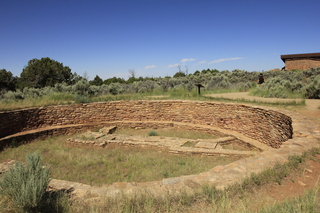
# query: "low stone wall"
{"type": "Point", "coordinates": [267, 126]}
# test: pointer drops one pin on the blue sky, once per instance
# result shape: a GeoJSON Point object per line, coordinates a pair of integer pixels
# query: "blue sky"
{"type": "Point", "coordinates": [152, 37]}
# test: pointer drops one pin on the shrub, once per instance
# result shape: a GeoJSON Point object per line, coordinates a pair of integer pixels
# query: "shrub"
{"type": "Point", "coordinates": [104, 89]}
{"type": "Point", "coordinates": [31, 92]}
{"type": "Point", "coordinates": [313, 88]}
{"type": "Point", "coordinates": [81, 87]}
{"type": "Point", "coordinates": [26, 184]}
{"type": "Point", "coordinates": [13, 95]}
{"type": "Point", "coordinates": [153, 133]}
{"type": "Point", "coordinates": [81, 98]}
{"type": "Point", "coordinates": [115, 88]}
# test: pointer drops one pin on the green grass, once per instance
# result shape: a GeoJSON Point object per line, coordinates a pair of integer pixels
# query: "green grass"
{"type": "Point", "coordinates": [98, 166]}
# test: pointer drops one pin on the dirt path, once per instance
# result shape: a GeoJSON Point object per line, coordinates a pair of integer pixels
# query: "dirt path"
{"type": "Point", "coordinates": [311, 104]}
{"type": "Point", "coordinates": [311, 109]}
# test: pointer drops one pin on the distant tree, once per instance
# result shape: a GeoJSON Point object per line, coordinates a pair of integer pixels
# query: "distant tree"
{"type": "Point", "coordinates": [86, 76]}
{"type": "Point", "coordinates": [114, 80]}
{"type": "Point", "coordinates": [7, 80]}
{"type": "Point", "coordinates": [132, 76]}
{"type": "Point", "coordinates": [76, 78]}
{"type": "Point", "coordinates": [214, 71]}
{"type": "Point", "coordinates": [97, 81]}
{"type": "Point", "coordinates": [132, 73]}
{"type": "Point", "coordinates": [197, 72]}
{"type": "Point", "coordinates": [44, 72]}
{"type": "Point", "coordinates": [179, 74]}
{"type": "Point", "coordinates": [205, 71]}
{"type": "Point", "coordinates": [131, 80]}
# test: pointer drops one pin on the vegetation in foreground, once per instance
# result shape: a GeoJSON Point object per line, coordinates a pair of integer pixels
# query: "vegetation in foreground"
{"type": "Point", "coordinates": [242, 197]}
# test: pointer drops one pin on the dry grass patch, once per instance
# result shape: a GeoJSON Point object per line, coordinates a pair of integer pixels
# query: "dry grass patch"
{"type": "Point", "coordinates": [99, 166]}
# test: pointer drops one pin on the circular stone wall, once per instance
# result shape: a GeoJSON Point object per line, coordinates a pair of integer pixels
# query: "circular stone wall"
{"type": "Point", "coordinates": [266, 126]}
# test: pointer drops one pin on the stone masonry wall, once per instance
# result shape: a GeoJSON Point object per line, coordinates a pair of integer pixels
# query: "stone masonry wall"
{"type": "Point", "coordinates": [302, 64]}
{"type": "Point", "coordinates": [267, 126]}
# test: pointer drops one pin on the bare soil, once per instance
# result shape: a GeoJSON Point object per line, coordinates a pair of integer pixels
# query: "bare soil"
{"type": "Point", "coordinates": [296, 185]}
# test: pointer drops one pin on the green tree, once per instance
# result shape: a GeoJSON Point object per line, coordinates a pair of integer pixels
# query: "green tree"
{"type": "Point", "coordinates": [179, 74]}
{"type": "Point", "coordinates": [197, 72]}
{"type": "Point", "coordinates": [114, 80]}
{"type": "Point", "coordinates": [131, 80]}
{"type": "Point", "coordinates": [97, 81]}
{"type": "Point", "coordinates": [76, 78]}
{"type": "Point", "coordinates": [44, 72]}
{"type": "Point", "coordinates": [7, 80]}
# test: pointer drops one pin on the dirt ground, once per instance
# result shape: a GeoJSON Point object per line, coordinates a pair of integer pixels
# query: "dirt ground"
{"type": "Point", "coordinates": [295, 184]}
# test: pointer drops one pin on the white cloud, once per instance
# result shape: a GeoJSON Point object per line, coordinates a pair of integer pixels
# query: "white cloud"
{"type": "Point", "coordinates": [173, 65]}
{"type": "Point", "coordinates": [224, 59]}
{"type": "Point", "coordinates": [150, 66]}
{"type": "Point", "coordinates": [187, 59]}
{"type": "Point", "coordinates": [202, 62]}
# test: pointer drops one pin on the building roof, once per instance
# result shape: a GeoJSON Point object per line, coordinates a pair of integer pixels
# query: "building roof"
{"type": "Point", "coordinates": [305, 55]}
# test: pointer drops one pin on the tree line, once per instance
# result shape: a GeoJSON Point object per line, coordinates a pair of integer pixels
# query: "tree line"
{"type": "Point", "coordinates": [46, 76]}
{"type": "Point", "coordinates": [45, 72]}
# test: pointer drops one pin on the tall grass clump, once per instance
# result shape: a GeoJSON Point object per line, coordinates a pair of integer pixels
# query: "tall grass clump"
{"type": "Point", "coordinates": [153, 133]}
{"type": "Point", "coordinates": [26, 184]}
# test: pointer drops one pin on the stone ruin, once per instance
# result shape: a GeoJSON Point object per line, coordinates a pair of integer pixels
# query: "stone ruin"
{"type": "Point", "coordinates": [105, 137]}
{"type": "Point", "coordinates": [267, 133]}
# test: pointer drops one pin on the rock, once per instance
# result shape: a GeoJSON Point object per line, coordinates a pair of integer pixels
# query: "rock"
{"type": "Point", "coordinates": [309, 170]}
{"type": "Point", "coordinates": [108, 130]}
{"type": "Point", "coordinates": [5, 166]}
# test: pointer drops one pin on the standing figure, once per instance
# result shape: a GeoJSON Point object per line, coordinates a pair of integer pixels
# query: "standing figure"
{"type": "Point", "coordinates": [261, 79]}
